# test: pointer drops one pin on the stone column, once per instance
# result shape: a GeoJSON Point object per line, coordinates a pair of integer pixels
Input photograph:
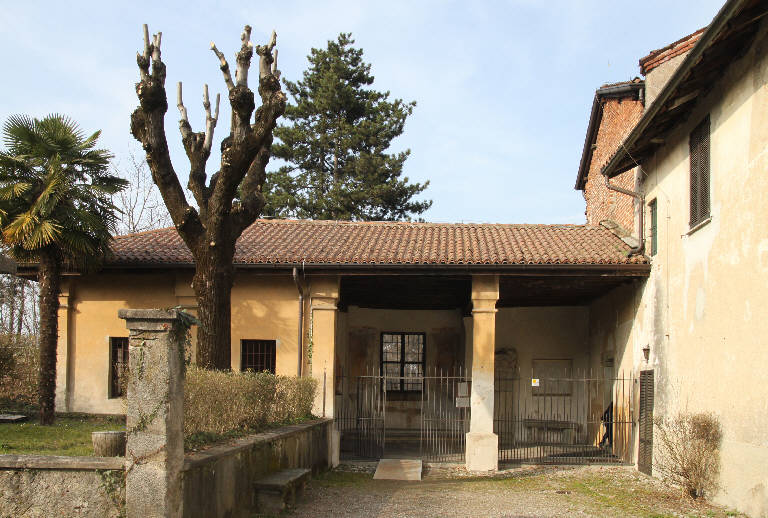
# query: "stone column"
{"type": "Point", "coordinates": [324, 293]}
{"type": "Point", "coordinates": [154, 413]}
{"type": "Point", "coordinates": [482, 444]}
{"type": "Point", "coordinates": [64, 352]}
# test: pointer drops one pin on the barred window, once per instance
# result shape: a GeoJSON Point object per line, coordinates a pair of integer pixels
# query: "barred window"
{"type": "Point", "coordinates": [700, 172]}
{"type": "Point", "coordinates": [258, 355]}
{"type": "Point", "coordinates": [654, 227]}
{"type": "Point", "coordinates": [402, 357]}
{"type": "Point", "coordinates": [118, 365]}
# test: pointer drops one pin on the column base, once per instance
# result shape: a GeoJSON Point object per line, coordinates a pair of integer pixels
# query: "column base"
{"type": "Point", "coordinates": [482, 451]}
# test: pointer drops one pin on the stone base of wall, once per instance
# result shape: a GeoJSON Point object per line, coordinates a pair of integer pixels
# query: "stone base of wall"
{"type": "Point", "coordinates": [41, 486]}
{"type": "Point", "coordinates": [218, 482]}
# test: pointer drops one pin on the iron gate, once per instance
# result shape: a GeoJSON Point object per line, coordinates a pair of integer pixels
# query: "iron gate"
{"type": "Point", "coordinates": [443, 405]}
{"type": "Point", "coordinates": [566, 420]}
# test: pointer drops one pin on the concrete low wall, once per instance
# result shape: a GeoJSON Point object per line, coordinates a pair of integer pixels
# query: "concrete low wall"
{"type": "Point", "coordinates": [47, 486]}
{"type": "Point", "coordinates": [218, 482]}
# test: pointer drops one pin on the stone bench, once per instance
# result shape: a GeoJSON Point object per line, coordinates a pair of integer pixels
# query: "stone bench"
{"type": "Point", "coordinates": [279, 491]}
{"type": "Point", "coordinates": [551, 431]}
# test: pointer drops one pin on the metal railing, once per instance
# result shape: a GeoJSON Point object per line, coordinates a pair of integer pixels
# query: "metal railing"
{"type": "Point", "coordinates": [566, 420]}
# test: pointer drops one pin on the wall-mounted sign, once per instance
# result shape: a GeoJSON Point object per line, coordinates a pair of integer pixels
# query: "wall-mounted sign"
{"type": "Point", "coordinates": [462, 402]}
{"type": "Point", "coordinates": [463, 388]}
{"type": "Point", "coordinates": [534, 382]}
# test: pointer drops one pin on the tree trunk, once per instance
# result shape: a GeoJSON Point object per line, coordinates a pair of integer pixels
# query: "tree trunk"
{"type": "Point", "coordinates": [50, 277]}
{"type": "Point", "coordinates": [108, 444]}
{"type": "Point", "coordinates": [20, 316]}
{"type": "Point", "coordinates": [212, 283]}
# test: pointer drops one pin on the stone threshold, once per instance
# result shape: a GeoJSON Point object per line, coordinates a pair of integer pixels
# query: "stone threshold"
{"type": "Point", "coordinates": [61, 462]}
{"type": "Point", "coordinates": [201, 458]}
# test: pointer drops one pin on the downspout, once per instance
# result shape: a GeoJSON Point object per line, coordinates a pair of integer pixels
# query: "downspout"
{"type": "Point", "coordinates": [300, 341]}
{"type": "Point", "coordinates": [640, 199]}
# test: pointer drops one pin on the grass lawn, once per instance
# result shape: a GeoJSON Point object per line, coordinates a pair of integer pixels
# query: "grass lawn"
{"type": "Point", "coordinates": [70, 435]}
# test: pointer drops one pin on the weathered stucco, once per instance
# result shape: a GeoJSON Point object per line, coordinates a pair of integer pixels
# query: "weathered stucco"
{"type": "Point", "coordinates": [701, 310]}
{"type": "Point", "coordinates": [61, 489]}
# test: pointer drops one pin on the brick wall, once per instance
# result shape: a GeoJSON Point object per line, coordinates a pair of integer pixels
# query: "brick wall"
{"type": "Point", "coordinates": [618, 118]}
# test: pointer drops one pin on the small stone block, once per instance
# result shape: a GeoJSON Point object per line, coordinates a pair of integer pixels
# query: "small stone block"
{"type": "Point", "coordinates": [12, 418]}
{"type": "Point", "coordinates": [398, 469]}
{"type": "Point", "coordinates": [279, 491]}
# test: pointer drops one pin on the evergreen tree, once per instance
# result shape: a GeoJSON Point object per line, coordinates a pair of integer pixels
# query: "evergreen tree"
{"type": "Point", "coordinates": [335, 148]}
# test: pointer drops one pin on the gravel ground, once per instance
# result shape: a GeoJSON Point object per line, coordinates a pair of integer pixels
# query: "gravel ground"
{"type": "Point", "coordinates": [529, 492]}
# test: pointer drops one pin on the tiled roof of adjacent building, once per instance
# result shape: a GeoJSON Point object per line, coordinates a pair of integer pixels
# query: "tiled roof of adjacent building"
{"type": "Point", "coordinates": [334, 243]}
{"type": "Point", "coordinates": [662, 55]}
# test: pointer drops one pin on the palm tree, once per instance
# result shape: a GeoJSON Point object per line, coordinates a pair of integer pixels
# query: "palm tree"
{"type": "Point", "coordinates": [55, 210]}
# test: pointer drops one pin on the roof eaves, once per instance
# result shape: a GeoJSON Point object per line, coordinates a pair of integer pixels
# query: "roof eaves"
{"type": "Point", "coordinates": [616, 90]}
{"type": "Point", "coordinates": [708, 37]}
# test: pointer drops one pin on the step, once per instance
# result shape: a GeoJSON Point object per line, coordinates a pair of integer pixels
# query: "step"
{"type": "Point", "coordinates": [278, 491]}
{"type": "Point", "coordinates": [398, 469]}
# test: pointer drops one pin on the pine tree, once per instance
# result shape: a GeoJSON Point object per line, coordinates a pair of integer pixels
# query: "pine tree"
{"type": "Point", "coordinates": [335, 147]}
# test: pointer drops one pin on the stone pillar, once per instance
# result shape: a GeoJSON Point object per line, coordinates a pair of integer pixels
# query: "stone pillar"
{"type": "Point", "coordinates": [467, 322]}
{"type": "Point", "coordinates": [482, 444]}
{"type": "Point", "coordinates": [64, 352]}
{"type": "Point", "coordinates": [324, 294]}
{"type": "Point", "coordinates": [154, 413]}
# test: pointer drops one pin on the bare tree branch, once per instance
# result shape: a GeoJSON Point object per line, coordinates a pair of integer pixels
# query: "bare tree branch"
{"type": "Point", "coordinates": [224, 67]}
{"type": "Point", "coordinates": [148, 126]}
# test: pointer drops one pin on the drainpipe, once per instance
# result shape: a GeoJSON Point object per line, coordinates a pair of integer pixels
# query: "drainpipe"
{"type": "Point", "coordinates": [301, 318]}
{"type": "Point", "coordinates": [639, 198]}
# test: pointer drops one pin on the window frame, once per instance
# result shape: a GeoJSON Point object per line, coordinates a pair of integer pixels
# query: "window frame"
{"type": "Point", "coordinates": [700, 169]}
{"type": "Point", "coordinates": [271, 362]}
{"type": "Point", "coordinates": [114, 384]}
{"type": "Point", "coordinates": [402, 362]}
{"type": "Point", "coordinates": [654, 217]}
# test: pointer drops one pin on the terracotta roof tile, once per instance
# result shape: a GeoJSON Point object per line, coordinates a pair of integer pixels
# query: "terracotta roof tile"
{"type": "Point", "coordinates": [286, 242]}
{"type": "Point", "coordinates": [662, 55]}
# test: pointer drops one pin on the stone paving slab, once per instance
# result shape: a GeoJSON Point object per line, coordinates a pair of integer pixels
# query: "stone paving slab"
{"type": "Point", "coordinates": [398, 469]}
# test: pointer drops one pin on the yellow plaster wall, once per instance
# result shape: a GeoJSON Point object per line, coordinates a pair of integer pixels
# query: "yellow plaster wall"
{"type": "Point", "coordinates": [702, 311]}
{"type": "Point", "coordinates": [263, 307]}
{"type": "Point", "coordinates": [266, 307]}
{"type": "Point", "coordinates": [96, 300]}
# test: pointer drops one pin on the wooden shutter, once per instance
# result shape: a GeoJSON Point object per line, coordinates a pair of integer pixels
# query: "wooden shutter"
{"type": "Point", "coordinates": [699, 158]}
{"type": "Point", "coordinates": [645, 453]}
{"type": "Point", "coordinates": [654, 227]}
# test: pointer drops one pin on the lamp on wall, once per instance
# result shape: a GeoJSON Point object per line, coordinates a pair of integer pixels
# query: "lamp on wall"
{"type": "Point", "coordinates": [646, 352]}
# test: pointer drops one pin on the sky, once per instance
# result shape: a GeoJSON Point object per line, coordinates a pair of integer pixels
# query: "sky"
{"type": "Point", "coordinates": [503, 88]}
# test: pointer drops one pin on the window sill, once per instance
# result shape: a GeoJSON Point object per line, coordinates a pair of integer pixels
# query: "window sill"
{"type": "Point", "coordinates": [698, 225]}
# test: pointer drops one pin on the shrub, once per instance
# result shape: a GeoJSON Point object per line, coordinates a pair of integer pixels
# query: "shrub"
{"type": "Point", "coordinates": [222, 402]}
{"type": "Point", "coordinates": [689, 451]}
{"type": "Point", "coordinates": [18, 370]}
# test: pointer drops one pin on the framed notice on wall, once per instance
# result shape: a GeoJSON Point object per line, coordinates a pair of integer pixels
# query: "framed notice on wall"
{"type": "Point", "coordinates": [553, 376]}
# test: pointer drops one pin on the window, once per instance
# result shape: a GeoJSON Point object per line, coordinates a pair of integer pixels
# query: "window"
{"type": "Point", "coordinates": [699, 158]}
{"type": "Point", "coordinates": [654, 227]}
{"type": "Point", "coordinates": [258, 355]}
{"type": "Point", "coordinates": [402, 357]}
{"type": "Point", "coordinates": [118, 365]}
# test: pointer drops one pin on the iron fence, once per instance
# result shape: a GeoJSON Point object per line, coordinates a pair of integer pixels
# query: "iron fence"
{"type": "Point", "coordinates": [565, 420]}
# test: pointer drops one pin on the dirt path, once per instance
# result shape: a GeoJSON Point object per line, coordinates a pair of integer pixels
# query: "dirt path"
{"type": "Point", "coordinates": [524, 493]}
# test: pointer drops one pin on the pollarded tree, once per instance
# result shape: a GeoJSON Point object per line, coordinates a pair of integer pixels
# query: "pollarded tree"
{"type": "Point", "coordinates": [56, 210]}
{"type": "Point", "coordinates": [336, 145]}
{"type": "Point", "coordinates": [211, 229]}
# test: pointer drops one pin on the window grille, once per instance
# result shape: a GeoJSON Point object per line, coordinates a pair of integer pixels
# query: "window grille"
{"type": "Point", "coordinates": [700, 172]}
{"type": "Point", "coordinates": [118, 365]}
{"type": "Point", "coordinates": [258, 355]}
{"type": "Point", "coordinates": [402, 357]}
{"type": "Point", "coordinates": [654, 227]}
